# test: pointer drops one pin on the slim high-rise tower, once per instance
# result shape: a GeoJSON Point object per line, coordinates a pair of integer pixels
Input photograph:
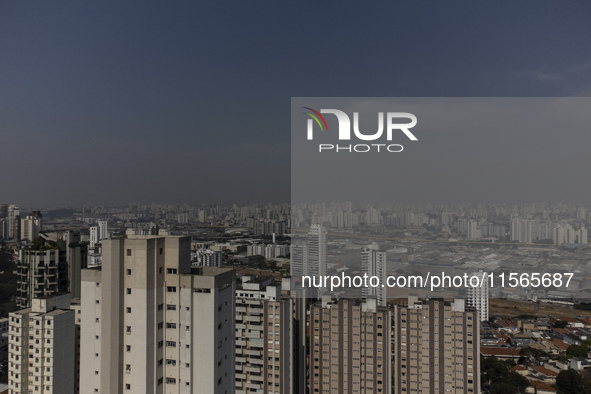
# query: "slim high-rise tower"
{"type": "Point", "coordinates": [477, 297]}
{"type": "Point", "coordinates": [373, 262]}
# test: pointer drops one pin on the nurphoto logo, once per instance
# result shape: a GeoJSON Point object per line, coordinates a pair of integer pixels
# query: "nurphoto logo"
{"type": "Point", "coordinates": [344, 132]}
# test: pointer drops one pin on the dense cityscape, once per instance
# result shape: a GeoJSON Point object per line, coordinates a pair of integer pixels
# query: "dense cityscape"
{"type": "Point", "coordinates": [210, 299]}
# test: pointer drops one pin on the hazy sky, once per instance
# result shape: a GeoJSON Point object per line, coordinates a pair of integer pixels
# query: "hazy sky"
{"type": "Point", "coordinates": [109, 102]}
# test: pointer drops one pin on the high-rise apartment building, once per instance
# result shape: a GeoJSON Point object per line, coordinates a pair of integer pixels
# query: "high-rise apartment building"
{"type": "Point", "coordinates": [98, 233]}
{"type": "Point", "coordinates": [151, 323]}
{"type": "Point", "coordinates": [13, 221]}
{"type": "Point", "coordinates": [103, 229]}
{"type": "Point", "coordinates": [350, 348]}
{"type": "Point", "coordinates": [436, 347]}
{"type": "Point", "coordinates": [94, 236]}
{"type": "Point", "coordinates": [31, 226]}
{"type": "Point", "coordinates": [264, 338]}
{"type": "Point", "coordinates": [42, 350]}
{"type": "Point", "coordinates": [299, 259]}
{"type": "Point", "coordinates": [317, 250]}
{"type": "Point", "coordinates": [3, 228]}
{"type": "Point", "coordinates": [42, 271]}
{"type": "Point", "coordinates": [373, 262]}
{"type": "Point", "coordinates": [477, 297]}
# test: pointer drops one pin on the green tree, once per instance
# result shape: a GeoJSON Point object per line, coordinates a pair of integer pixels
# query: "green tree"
{"type": "Point", "coordinates": [577, 350]}
{"type": "Point", "coordinates": [560, 324]}
{"type": "Point", "coordinates": [569, 381]}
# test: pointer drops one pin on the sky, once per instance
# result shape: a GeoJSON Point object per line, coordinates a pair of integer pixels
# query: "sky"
{"type": "Point", "coordinates": [105, 103]}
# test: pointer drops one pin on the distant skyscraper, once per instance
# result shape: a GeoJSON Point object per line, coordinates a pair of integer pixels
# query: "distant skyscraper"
{"type": "Point", "coordinates": [317, 265]}
{"type": "Point", "coordinates": [4, 228]}
{"type": "Point", "coordinates": [13, 216]}
{"type": "Point", "coordinates": [153, 324]}
{"type": "Point", "coordinates": [103, 229]}
{"type": "Point", "coordinates": [437, 347]}
{"type": "Point", "coordinates": [522, 230]}
{"type": "Point", "coordinates": [299, 260]}
{"type": "Point", "coordinates": [31, 226]}
{"type": "Point", "coordinates": [373, 262]}
{"type": "Point", "coordinates": [94, 236]}
{"type": "Point", "coordinates": [477, 297]}
{"type": "Point", "coordinates": [350, 348]}
{"type": "Point", "coordinates": [473, 230]}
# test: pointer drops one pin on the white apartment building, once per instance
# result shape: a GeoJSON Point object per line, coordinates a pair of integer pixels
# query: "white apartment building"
{"type": "Point", "coordinates": [152, 324]}
{"type": "Point", "coordinates": [477, 297]}
{"type": "Point", "coordinates": [42, 347]}
{"type": "Point", "coordinates": [373, 262]}
{"type": "Point", "coordinates": [94, 236]}
{"type": "Point", "coordinates": [30, 227]}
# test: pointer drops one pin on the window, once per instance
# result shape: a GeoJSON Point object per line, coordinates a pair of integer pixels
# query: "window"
{"type": "Point", "coordinates": [170, 344]}
{"type": "Point", "coordinates": [170, 325]}
{"type": "Point", "coordinates": [128, 348]}
{"type": "Point", "coordinates": [160, 307]}
{"type": "Point", "coordinates": [170, 381]}
{"type": "Point", "coordinates": [171, 289]}
{"type": "Point", "coordinates": [128, 291]}
{"type": "Point", "coordinates": [171, 307]}
{"type": "Point", "coordinates": [127, 385]}
{"type": "Point", "coordinates": [129, 252]}
{"type": "Point", "coordinates": [128, 272]}
{"type": "Point", "coordinates": [128, 330]}
{"type": "Point", "coordinates": [171, 270]}
{"type": "Point", "coordinates": [170, 362]}
{"type": "Point", "coordinates": [128, 310]}
{"type": "Point", "coordinates": [161, 250]}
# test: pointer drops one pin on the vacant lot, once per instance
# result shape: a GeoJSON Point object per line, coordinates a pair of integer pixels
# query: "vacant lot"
{"type": "Point", "coordinates": [515, 308]}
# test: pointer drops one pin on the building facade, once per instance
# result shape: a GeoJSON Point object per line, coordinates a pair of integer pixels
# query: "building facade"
{"type": "Point", "coordinates": [42, 271]}
{"type": "Point", "coordinates": [373, 262]}
{"type": "Point", "coordinates": [150, 323]}
{"type": "Point", "coordinates": [264, 338]}
{"type": "Point", "coordinates": [42, 347]}
{"type": "Point", "coordinates": [436, 347]}
{"type": "Point", "coordinates": [350, 349]}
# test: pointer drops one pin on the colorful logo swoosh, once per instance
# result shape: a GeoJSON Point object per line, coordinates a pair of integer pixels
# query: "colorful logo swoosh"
{"type": "Point", "coordinates": [315, 116]}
